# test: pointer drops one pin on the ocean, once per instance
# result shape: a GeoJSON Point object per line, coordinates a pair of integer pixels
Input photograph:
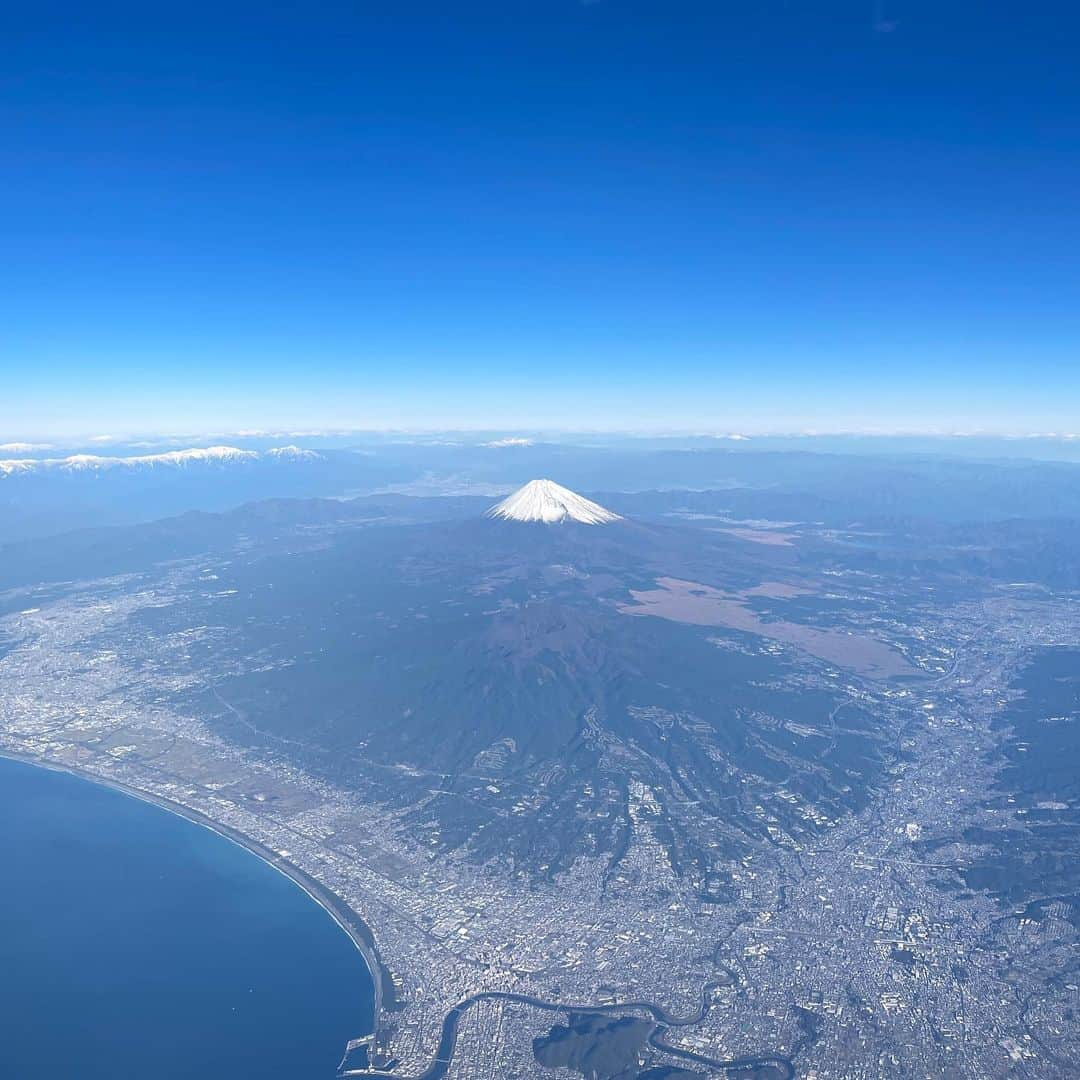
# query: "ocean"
{"type": "Point", "coordinates": [136, 944]}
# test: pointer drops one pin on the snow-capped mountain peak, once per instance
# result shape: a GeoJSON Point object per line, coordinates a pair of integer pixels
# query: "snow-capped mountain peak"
{"type": "Point", "coordinates": [293, 453]}
{"type": "Point", "coordinates": [550, 503]}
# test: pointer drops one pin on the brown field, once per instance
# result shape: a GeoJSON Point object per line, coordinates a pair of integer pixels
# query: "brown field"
{"type": "Point", "coordinates": [776, 590]}
{"type": "Point", "coordinates": [702, 605]}
{"type": "Point", "coordinates": [761, 536]}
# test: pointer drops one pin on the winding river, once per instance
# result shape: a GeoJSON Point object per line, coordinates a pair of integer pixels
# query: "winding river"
{"type": "Point", "coordinates": [664, 1020]}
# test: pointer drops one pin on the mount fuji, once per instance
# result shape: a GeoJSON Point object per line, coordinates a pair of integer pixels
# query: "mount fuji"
{"type": "Point", "coordinates": [550, 503]}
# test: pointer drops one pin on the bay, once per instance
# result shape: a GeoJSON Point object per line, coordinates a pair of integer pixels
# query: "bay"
{"type": "Point", "coordinates": [135, 943]}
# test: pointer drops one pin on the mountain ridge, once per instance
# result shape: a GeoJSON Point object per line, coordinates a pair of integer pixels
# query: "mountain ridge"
{"type": "Point", "coordinates": [176, 459]}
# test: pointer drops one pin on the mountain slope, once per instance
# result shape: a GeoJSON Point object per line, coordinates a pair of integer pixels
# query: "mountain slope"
{"type": "Point", "coordinates": [487, 681]}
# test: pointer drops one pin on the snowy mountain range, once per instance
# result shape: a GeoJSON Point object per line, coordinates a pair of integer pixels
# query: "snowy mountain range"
{"type": "Point", "coordinates": [171, 459]}
{"type": "Point", "coordinates": [550, 503]}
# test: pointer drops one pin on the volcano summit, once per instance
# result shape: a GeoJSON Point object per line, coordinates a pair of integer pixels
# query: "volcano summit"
{"type": "Point", "coordinates": [552, 504]}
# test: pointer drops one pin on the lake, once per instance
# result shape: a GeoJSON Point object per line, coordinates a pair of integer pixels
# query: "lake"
{"type": "Point", "coordinates": [136, 944]}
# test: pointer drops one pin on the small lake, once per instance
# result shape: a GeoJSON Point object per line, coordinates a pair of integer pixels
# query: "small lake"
{"type": "Point", "coordinates": [136, 944]}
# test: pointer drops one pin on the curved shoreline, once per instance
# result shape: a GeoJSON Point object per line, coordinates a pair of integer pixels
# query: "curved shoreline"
{"type": "Point", "coordinates": [347, 920]}
{"type": "Point", "coordinates": [363, 940]}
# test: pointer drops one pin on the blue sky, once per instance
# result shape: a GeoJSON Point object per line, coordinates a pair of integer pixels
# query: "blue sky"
{"type": "Point", "coordinates": [765, 216]}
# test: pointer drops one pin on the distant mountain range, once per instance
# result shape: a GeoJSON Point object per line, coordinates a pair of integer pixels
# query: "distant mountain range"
{"type": "Point", "coordinates": [40, 495]}
{"type": "Point", "coordinates": [44, 492]}
{"type": "Point", "coordinates": [170, 459]}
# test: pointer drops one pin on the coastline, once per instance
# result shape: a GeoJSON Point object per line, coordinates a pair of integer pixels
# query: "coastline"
{"type": "Point", "coordinates": [349, 922]}
{"type": "Point", "coordinates": [384, 997]}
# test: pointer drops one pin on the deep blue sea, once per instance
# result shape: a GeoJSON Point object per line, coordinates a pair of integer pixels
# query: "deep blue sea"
{"type": "Point", "coordinates": [135, 944]}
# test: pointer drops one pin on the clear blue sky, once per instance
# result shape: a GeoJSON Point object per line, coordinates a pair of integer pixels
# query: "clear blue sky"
{"type": "Point", "coordinates": [740, 214]}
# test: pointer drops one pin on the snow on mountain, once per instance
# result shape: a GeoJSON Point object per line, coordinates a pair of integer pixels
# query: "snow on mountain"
{"type": "Point", "coordinates": [293, 453]}
{"type": "Point", "coordinates": [9, 468]}
{"type": "Point", "coordinates": [170, 459]}
{"type": "Point", "coordinates": [551, 503]}
{"type": "Point", "coordinates": [210, 455]}
{"type": "Point", "coordinates": [22, 447]}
